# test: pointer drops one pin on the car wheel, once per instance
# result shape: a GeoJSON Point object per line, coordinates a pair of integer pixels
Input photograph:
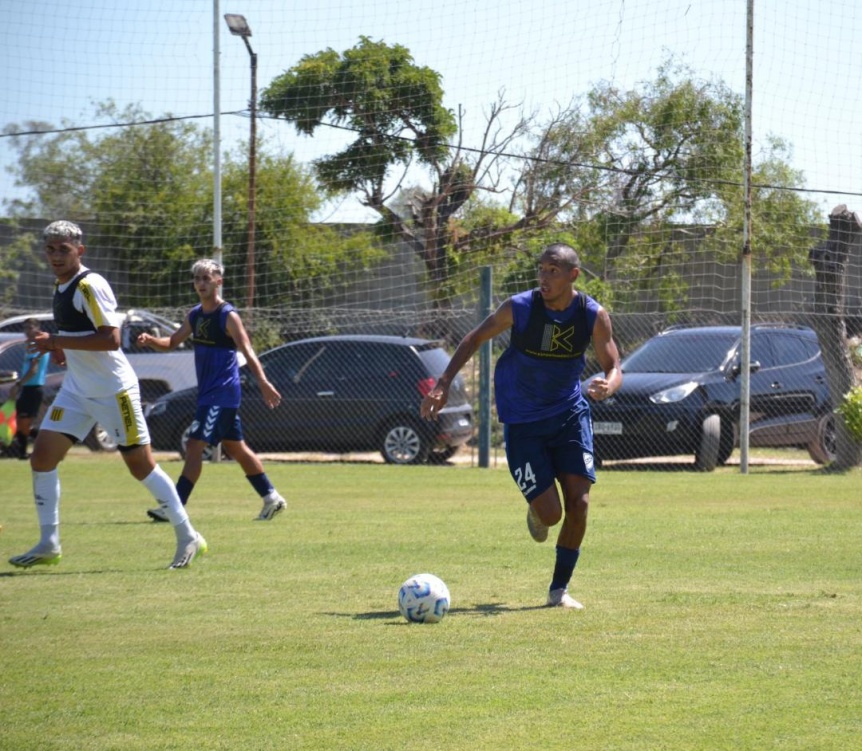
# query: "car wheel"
{"type": "Point", "coordinates": [99, 439]}
{"type": "Point", "coordinates": [823, 449]}
{"type": "Point", "coordinates": [706, 458]}
{"type": "Point", "coordinates": [404, 443]}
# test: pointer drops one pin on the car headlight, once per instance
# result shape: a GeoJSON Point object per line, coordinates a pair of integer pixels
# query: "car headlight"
{"type": "Point", "coordinates": [674, 394]}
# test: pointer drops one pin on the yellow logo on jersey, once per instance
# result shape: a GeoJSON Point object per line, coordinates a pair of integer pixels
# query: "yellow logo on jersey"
{"type": "Point", "coordinates": [203, 329]}
{"type": "Point", "coordinates": [559, 338]}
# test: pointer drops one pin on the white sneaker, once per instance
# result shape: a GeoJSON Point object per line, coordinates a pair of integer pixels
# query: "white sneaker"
{"type": "Point", "coordinates": [272, 505]}
{"type": "Point", "coordinates": [538, 530]}
{"type": "Point", "coordinates": [188, 550]}
{"type": "Point", "coordinates": [559, 598]}
{"type": "Point", "coordinates": [158, 514]}
{"type": "Point", "coordinates": [36, 557]}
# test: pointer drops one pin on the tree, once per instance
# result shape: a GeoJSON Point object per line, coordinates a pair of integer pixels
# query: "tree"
{"type": "Point", "coordinates": [395, 109]}
{"type": "Point", "coordinates": [148, 189]}
{"type": "Point", "coordinates": [642, 162]}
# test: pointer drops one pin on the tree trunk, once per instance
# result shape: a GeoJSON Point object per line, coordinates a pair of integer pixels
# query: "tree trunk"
{"type": "Point", "coordinates": [830, 266]}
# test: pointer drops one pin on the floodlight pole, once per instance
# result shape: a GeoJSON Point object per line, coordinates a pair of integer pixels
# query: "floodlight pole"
{"type": "Point", "coordinates": [239, 27]}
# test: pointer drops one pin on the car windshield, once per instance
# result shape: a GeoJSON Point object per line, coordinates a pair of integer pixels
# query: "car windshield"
{"type": "Point", "coordinates": [681, 354]}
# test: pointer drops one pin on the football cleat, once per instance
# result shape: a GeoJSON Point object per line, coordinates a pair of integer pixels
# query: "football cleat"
{"type": "Point", "coordinates": [36, 558]}
{"type": "Point", "coordinates": [538, 530]}
{"type": "Point", "coordinates": [560, 598]}
{"type": "Point", "coordinates": [272, 505]}
{"type": "Point", "coordinates": [188, 550]}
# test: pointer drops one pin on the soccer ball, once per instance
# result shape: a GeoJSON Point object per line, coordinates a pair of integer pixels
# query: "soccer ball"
{"type": "Point", "coordinates": [423, 598]}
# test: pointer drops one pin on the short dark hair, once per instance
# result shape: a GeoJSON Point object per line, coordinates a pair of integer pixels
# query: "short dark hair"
{"type": "Point", "coordinates": [566, 253]}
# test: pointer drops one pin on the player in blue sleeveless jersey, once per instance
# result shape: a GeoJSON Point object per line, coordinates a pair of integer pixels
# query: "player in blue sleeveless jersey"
{"type": "Point", "coordinates": [218, 332]}
{"type": "Point", "coordinates": [537, 384]}
{"type": "Point", "coordinates": [99, 386]}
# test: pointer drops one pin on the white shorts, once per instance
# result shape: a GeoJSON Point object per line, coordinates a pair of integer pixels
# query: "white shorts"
{"type": "Point", "coordinates": [121, 415]}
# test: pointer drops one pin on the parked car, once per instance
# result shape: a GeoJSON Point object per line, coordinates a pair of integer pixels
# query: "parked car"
{"type": "Point", "coordinates": [12, 348]}
{"type": "Point", "coordinates": [681, 395]}
{"type": "Point", "coordinates": [340, 393]}
{"type": "Point", "coordinates": [158, 373]}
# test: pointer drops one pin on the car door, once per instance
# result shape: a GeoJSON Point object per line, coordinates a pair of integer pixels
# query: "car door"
{"type": "Point", "coordinates": [295, 424]}
{"type": "Point", "coordinates": [781, 404]}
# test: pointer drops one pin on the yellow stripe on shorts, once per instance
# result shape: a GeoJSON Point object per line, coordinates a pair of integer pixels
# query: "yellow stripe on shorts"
{"type": "Point", "coordinates": [130, 426]}
{"type": "Point", "coordinates": [56, 414]}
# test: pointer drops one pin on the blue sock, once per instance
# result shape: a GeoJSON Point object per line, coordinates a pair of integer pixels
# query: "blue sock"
{"type": "Point", "coordinates": [567, 558]}
{"type": "Point", "coordinates": [184, 488]}
{"type": "Point", "coordinates": [260, 483]}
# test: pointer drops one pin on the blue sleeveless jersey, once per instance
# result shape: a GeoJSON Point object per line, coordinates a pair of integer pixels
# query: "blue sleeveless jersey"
{"type": "Point", "coordinates": [215, 357]}
{"type": "Point", "coordinates": [539, 374]}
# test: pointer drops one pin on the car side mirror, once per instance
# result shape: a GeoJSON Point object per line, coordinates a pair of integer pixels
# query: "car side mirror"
{"type": "Point", "coordinates": [737, 368]}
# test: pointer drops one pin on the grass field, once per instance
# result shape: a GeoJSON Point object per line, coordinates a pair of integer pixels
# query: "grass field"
{"type": "Point", "coordinates": [722, 612]}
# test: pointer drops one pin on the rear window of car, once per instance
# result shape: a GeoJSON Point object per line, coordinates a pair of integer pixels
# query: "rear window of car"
{"type": "Point", "coordinates": [435, 360]}
{"type": "Point", "coordinates": [689, 353]}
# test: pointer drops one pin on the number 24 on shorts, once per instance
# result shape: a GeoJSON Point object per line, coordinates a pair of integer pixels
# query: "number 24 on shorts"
{"type": "Point", "coordinates": [525, 478]}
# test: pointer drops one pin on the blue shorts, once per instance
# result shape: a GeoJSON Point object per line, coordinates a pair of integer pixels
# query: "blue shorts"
{"type": "Point", "coordinates": [539, 452]}
{"type": "Point", "coordinates": [216, 424]}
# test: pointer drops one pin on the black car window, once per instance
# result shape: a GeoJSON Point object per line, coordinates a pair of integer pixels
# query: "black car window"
{"type": "Point", "coordinates": [761, 350]}
{"type": "Point", "coordinates": [435, 360]}
{"type": "Point", "coordinates": [791, 349]}
{"type": "Point", "coordinates": [687, 353]}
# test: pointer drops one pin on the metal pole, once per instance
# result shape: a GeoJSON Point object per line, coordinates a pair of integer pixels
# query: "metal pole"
{"type": "Point", "coordinates": [745, 267]}
{"type": "Point", "coordinates": [217, 240]}
{"type": "Point", "coordinates": [485, 372]}
{"type": "Point", "coordinates": [252, 169]}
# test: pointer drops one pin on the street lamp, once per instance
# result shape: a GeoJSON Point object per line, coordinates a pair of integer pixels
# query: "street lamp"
{"type": "Point", "coordinates": [239, 27]}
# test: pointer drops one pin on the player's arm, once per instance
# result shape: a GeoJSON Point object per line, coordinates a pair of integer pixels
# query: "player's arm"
{"type": "Point", "coordinates": [104, 339]}
{"type": "Point", "coordinates": [167, 343]}
{"type": "Point", "coordinates": [608, 356]}
{"type": "Point", "coordinates": [496, 323]}
{"type": "Point", "coordinates": [237, 332]}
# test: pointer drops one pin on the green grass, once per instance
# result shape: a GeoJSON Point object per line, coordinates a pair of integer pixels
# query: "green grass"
{"type": "Point", "coordinates": [722, 612]}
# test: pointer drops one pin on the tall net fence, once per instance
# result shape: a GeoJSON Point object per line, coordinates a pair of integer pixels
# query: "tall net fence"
{"type": "Point", "coordinates": [618, 130]}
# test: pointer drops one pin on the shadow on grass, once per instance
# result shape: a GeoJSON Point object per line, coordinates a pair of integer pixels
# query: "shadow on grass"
{"type": "Point", "coordinates": [489, 609]}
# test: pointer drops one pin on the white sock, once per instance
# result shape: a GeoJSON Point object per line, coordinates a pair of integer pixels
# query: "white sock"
{"type": "Point", "coordinates": [46, 494]}
{"type": "Point", "coordinates": [165, 493]}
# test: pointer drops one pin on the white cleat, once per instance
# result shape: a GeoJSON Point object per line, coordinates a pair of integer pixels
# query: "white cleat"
{"type": "Point", "coordinates": [559, 598]}
{"type": "Point", "coordinates": [188, 550]}
{"type": "Point", "coordinates": [538, 530]}
{"type": "Point", "coordinates": [272, 504]}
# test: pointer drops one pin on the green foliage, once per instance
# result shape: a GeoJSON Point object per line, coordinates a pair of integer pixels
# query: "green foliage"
{"type": "Point", "coordinates": [851, 409]}
{"type": "Point", "coordinates": [15, 258]}
{"type": "Point", "coordinates": [376, 90]}
{"type": "Point", "coordinates": [719, 614]}
{"type": "Point", "coordinates": [149, 191]}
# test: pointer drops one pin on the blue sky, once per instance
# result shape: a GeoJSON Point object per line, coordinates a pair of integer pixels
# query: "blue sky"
{"type": "Point", "coordinates": [60, 55]}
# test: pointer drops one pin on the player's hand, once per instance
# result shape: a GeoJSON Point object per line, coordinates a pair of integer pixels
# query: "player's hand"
{"type": "Point", "coordinates": [599, 389]}
{"type": "Point", "coordinates": [144, 339]}
{"type": "Point", "coordinates": [270, 395]}
{"type": "Point", "coordinates": [58, 356]}
{"type": "Point", "coordinates": [432, 403]}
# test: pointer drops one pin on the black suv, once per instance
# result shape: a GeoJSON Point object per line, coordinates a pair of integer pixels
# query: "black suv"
{"type": "Point", "coordinates": [681, 395]}
{"type": "Point", "coordinates": [339, 393]}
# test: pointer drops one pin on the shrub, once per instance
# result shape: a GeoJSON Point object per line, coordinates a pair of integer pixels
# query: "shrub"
{"type": "Point", "coordinates": [851, 409]}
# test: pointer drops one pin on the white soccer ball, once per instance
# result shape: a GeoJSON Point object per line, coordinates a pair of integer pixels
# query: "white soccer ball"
{"type": "Point", "coordinates": [423, 598]}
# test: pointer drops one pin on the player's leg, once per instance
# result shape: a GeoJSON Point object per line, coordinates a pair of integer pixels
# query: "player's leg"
{"type": "Point", "coordinates": [251, 465]}
{"type": "Point", "coordinates": [123, 417]}
{"type": "Point", "coordinates": [66, 422]}
{"type": "Point", "coordinates": [532, 470]}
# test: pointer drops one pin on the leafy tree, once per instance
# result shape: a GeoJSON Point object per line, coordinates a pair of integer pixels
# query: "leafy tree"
{"type": "Point", "coordinates": [148, 189]}
{"type": "Point", "coordinates": [395, 109]}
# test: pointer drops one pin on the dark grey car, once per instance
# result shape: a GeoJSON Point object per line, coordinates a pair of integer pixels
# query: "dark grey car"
{"type": "Point", "coordinates": [681, 395]}
{"type": "Point", "coordinates": [339, 393]}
